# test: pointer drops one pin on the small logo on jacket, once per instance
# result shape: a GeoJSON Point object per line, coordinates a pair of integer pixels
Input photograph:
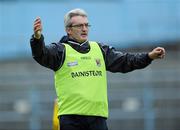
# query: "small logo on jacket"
{"type": "Point", "coordinates": [70, 64]}
{"type": "Point", "coordinates": [98, 62]}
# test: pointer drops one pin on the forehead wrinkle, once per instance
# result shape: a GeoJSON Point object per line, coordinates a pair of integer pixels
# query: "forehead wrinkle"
{"type": "Point", "coordinates": [79, 20]}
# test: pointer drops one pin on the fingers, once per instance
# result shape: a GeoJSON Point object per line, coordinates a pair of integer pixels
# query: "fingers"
{"type": "Point", "coordinates": [37, 25]}
{"type": "Point", "coordinates": [37, 28]}
{"type": "Point", "coordinates": [157, 53]}
{"type": "Point", "coordinates": [160, 51]}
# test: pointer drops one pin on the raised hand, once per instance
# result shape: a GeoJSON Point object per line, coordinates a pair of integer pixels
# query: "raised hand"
{"type": "Point", "coordinates": [37, 28]}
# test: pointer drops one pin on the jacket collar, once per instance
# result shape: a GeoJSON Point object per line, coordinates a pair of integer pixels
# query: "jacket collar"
{"type": "Point", "coordinates": [66, 39]}
{"type": "Point", "coordinates": [80, 47]}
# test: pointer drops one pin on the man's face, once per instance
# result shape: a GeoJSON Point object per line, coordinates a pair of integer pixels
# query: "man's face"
{"type": "Point", "coordinates": [78, 29]}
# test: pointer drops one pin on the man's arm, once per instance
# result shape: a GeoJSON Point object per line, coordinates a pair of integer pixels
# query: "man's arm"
{"type": "Point", "coordinates": [117, 61]}
{"type": "Point", "coordinates": [50, 56]}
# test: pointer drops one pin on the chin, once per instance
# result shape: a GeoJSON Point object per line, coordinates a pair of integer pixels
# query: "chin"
{"type": "Point", "coordinates": [83, 40]}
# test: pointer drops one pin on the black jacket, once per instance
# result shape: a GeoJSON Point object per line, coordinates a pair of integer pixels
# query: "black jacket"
{"type": "Point", "coordinates": [52, 56]}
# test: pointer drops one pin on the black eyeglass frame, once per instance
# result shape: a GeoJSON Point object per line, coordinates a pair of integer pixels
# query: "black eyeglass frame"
{"type": "Point", "coordinates": [80, 26]}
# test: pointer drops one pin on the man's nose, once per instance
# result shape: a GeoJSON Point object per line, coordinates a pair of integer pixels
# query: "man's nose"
{"type": "Point", "coordinates": [84, 27]}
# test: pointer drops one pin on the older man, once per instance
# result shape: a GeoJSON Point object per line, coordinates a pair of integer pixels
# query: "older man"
{"type": "Point", "coordinates": [80, 69]}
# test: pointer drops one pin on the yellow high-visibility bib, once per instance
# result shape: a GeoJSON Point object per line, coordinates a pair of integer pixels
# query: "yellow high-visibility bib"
{"type": "Point", "coordinates": [81, 84]}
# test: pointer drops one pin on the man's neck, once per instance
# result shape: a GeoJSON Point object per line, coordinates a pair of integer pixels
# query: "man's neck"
{"type": "Point", "coordinates": [74, 41]}
{"type": "Point", "coordinates": [67, 39]}
{"type": "Point", "coordinates": [77, 43]}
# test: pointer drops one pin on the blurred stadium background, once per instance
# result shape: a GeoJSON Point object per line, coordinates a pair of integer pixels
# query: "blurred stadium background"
{"type": "Point", "coordinates": [145, 99]}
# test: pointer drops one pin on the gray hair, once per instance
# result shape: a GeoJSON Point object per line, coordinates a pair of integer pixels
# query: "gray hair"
{"type": "Point", "coordinates": [72, 13]}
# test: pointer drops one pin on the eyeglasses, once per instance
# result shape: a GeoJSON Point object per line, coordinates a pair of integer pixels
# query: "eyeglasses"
{"type": "Point", "coordinates": [80, 26]}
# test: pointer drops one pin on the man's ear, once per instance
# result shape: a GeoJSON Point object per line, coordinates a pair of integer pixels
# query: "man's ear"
{"type": "Point", "coordinates": [68, 30]}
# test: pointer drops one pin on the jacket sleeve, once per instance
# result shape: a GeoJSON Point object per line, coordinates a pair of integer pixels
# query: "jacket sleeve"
{"type": "Point", "coordinates": [117, 61]}
{"type": "Point", "coordinates": [50, 56]}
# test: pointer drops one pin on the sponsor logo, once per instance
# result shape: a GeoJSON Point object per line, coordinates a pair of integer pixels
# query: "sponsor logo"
{"type": "Point", "coordinates": [70, 64]}
{"type": "Point", "coordinates": [86, 58]}
{"type": "Point", "coordinates": [86, 73]}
